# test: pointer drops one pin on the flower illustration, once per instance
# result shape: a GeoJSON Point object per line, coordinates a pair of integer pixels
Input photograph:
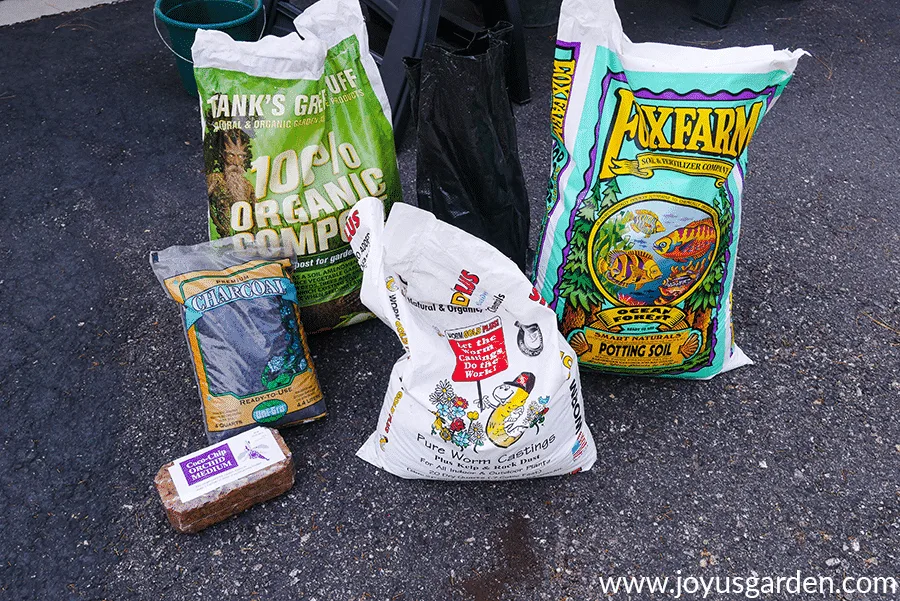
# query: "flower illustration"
{"type": "Point", "coordinates": [536, 413]}
{"type": "Point", "coordinates": [475, 434]}
{"type": "Point", "coordinates": [450, 411]}
{"type": "Point", "coordinates": [445, 390]}
{"type": "Point", "coordinates": [461, 439]}
{"type": "Point", "coordinates": [445, 412]}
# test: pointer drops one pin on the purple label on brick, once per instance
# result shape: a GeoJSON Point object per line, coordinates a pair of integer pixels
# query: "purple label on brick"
{"type": "Point", "coordinates": [208, 464]}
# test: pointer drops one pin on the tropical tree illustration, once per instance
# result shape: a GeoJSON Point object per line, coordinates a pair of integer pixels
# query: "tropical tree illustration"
{"type": "Point", "coordinates": [609, 196]}
{"type": "Point", "coordinates": [577, 287]}
{"type": "Point", "coordinates": [700, 305]}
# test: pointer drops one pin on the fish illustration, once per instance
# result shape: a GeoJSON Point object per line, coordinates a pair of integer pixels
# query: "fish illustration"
{"type": "Point", "coordinates": [681, 279]}
{"type": "Point", "coordinates": [645, 222]}
{"type": "Point", "coordinates": [505, 426]}
{"type": "Point", "coordinates": [688, 242]}
{"type": "Point", "coordinates": [630, 300]}
{"type": "Point", "coordinates": [624, 267]}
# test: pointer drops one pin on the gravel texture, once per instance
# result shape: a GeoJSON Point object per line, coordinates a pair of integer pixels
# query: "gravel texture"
{"type": "Point", "coordinates": [791, 464]}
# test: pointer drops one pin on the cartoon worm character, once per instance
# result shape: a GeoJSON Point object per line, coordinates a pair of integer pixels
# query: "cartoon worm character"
{"type": "Point", "coordinates": [509, 405]}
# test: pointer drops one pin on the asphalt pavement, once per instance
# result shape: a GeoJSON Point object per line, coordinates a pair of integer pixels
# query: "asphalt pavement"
{"type": "Point", "coordinates": [790, 464]}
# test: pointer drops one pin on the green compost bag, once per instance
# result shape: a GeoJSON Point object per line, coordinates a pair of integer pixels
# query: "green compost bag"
{"type": "Point", "coordinates": [296, 130]}
{"type": "Point", "coordinates": [639, 241]}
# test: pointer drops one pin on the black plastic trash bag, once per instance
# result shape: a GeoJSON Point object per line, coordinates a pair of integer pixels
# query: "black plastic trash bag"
{"type": "Point", "coordinates": [468, 171]}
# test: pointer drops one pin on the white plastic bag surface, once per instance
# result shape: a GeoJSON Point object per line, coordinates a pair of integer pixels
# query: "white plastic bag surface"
{"type": "Point", "coordinates": [488, 389]}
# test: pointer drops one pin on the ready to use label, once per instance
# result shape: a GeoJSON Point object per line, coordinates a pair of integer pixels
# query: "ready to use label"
{"type": "Point", "coordinates": [215, 466]}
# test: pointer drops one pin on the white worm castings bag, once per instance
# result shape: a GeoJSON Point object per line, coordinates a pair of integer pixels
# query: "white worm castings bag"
{"type": "Point", "coordinates": [488, 388]}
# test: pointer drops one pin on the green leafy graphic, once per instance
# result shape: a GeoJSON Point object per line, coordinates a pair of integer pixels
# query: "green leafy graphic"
{"type": "Point", "coordinates": [706, 297]}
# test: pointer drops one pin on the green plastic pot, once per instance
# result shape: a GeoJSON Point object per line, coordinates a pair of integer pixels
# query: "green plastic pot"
{"type": "Point", "coordinates": [182, 18]}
